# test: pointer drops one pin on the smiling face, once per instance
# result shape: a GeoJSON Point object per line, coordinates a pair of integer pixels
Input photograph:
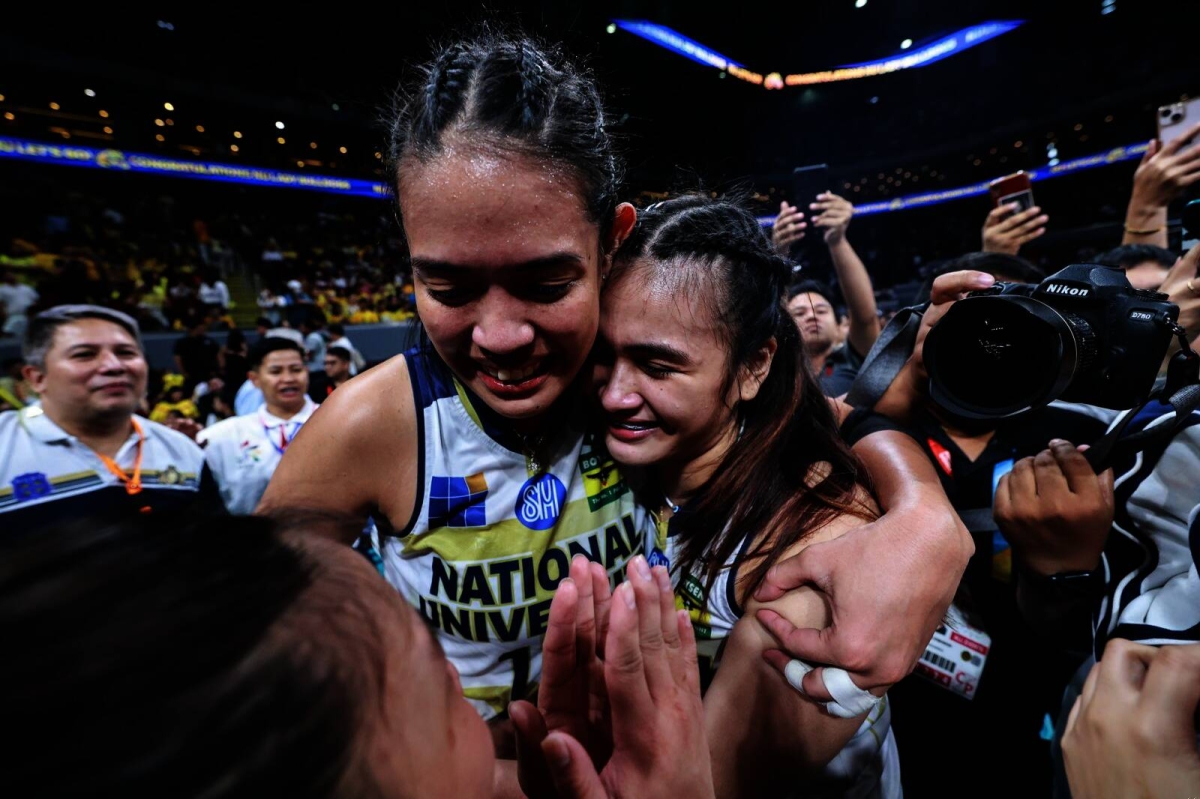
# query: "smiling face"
{"type": "Point", "coordinates": [662, 377]}
{"type": "Point", "coordinates": [506, 266]}
{"type": "Point", "coordinates": [93, 369]}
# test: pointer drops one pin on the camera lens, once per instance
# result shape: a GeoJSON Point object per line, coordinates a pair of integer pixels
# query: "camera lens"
{"type": "Point", "coordinates": [992, 357]}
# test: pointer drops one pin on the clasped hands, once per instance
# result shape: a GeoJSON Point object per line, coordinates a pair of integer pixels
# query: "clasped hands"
{"type": "Point", "coordinates": [618, 712]}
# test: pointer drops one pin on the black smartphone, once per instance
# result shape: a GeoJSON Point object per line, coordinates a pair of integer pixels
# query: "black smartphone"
{"type": "Point", "coordinates": [807, 183]}
{"type": "Point", "coordinates": [1191, 225]}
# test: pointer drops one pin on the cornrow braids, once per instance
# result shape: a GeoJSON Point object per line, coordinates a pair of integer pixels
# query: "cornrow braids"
{"type": "Point", "coordinates": [444, 88]}
{"type": "Point", "coordinates": [511, 92]}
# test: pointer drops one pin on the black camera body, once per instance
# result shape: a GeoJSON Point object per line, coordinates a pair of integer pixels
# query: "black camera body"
{"type": "Point", "coordinates": [1081, 335]}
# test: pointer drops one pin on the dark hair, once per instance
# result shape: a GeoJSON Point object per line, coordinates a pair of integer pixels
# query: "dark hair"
{"type": "Point", "coordinates": [993, 263]}
{"type": "Point", "coordinates": [171, 656]}
{"type": "Point", "coordinates": [39, 335]}
{"type": "Point", "coordinates": [260, 351]}
{"type": "Point", "coordinates": [766, 487]}
{"type": "Point", "coordinates": [336, 329]}
{"type": "Point", "coordinates": [263, 321]}
{"type": "Point", "coordinates": [341, 353]}
{"type": "Point", "coordinates": [235, 340]}
{"type": "Point", "coordinates": [814, 287]}
{"type": "Point", "coordinates": [1128, 255]}
{"type": "Point", "coordinates": [513, 93]}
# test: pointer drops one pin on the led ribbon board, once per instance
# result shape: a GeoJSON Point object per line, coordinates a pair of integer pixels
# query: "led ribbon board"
{"type": "Point", "coordinates": [1114, 156]}
{"type": "Point", "coordinates": [923, 56]}
{"type": "Point", "coordinates": [119, 161]}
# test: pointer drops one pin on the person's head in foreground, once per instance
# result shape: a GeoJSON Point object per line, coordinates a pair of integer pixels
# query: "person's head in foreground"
{"type": "Point", "coordinates": [507, 194]}
{"type": "Point", "coordinates": [239, 657]}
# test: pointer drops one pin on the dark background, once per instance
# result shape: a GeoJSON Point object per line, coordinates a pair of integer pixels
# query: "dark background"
{"type": "Point", "coordinates": [1083, 80]}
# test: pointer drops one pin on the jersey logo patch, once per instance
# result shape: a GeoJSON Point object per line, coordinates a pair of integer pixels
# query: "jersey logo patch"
{"type": "Point", "coordinates": [602, 481]}
{"type": "Point", "coordinates": [540, 501]}
{"type": "Point", "coordinates": [458, 501]}
{"type": "Point", "coordinates": [30, 485]}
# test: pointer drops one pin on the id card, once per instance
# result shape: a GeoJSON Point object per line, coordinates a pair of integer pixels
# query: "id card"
{"type": "Point", "coordinates": [956, 654]}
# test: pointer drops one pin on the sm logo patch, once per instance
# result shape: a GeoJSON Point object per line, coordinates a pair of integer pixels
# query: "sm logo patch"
{"type": "Point", "coordinates": [458, 501]}
{"type": "Point", "coordinates": [540, 502]}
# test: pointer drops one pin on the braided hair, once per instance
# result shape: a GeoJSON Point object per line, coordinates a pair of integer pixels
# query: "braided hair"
{"type": "Point", "coordinates": [517, 94]}
{"type": "Point", "coordinates": [773, 485]}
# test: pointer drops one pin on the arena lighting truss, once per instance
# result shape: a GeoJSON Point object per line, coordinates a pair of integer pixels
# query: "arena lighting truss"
{"type": "Point", "coordinates": [923, 56]}
{"type": "Point", "coordinates": [141, 163]}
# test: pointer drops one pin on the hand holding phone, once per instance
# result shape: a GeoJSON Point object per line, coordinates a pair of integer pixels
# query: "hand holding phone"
{"type": "Point", "coordinates": [1178, 121]}
{"type": "Point", "coordinates": [1007, 227]}
{"type": "Point", "coordinates": [1014, 188]}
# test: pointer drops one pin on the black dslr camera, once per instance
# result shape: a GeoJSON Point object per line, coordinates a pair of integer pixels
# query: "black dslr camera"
{"type": "Point", "coordinates": [1081, 335]}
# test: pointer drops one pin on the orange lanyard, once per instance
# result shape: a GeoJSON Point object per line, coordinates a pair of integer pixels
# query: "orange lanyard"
{"type": "Point", "coordinates": [133, 483]}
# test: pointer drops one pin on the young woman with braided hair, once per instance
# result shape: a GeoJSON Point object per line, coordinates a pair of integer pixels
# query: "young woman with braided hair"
{"type": "Point", "coordinates": [709, 401]}
{"type": "Point", "coordinates": [472, 452]}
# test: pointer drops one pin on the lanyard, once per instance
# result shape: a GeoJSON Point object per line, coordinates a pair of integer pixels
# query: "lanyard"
{"type": "Point", "coordinates": [133, 483]}
{"type": "Point", "coordinates": [284, 439]}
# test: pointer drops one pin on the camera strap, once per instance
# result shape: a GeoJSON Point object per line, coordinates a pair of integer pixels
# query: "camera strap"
{"type": "Point", "coordinates": [1181, 392]}
{"type": "Point", "coordinates": [886, 358]}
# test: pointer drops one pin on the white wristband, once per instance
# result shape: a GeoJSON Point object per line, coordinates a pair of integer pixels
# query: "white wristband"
{"type": "Point", "coordinates": [849, 700]}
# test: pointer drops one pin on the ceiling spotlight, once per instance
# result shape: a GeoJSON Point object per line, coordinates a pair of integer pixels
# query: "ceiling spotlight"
{"type": "Point", "coordinates": [89, 92]}
{"type": "Point", "coordinates": [279, 125]}
{"type": "Point", "coordinates": [160, 137]}
{"type": "Point", "coordinates": [337, 107]}
{"type": "Point", "coordinates": [168, 106]}
{"type": "Point", "coordinates": [54, 106]}
{"type": "Point", "coordinates": [199, 128]}
{"type": "Point", "coordinates": [108, 130]}
{"type": "Point", "coordinates": [233, 148]}
{"type": "Point", "coordinates": [103, 114]}
{"type": "Point", "coordinates": [907, 43]}
{"type": "Point", "coordinates": [10, 116]}
{"type": "Point", "coordinates": [613, 28]}
{"type": "Point", "coordinates": [159, 122]}
{"type": "Point", "coordinates": [342, 150]}
{"type": "Point", "coordinates": [312, 144]}
{"type": "Point", "coordinates": [237, 134]}
{"type": "Point", "coordinates": [281, 140]}
{"type": "Point", "coordinates": [859, 3]}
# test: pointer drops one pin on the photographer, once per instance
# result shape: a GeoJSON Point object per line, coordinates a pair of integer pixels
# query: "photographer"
{"type": "Point", "coordinates": [1057, 513]}
{"type": "Point", "coordinates": [1012, 701]}
{"type": "Point", "coordinates": [833, 218]}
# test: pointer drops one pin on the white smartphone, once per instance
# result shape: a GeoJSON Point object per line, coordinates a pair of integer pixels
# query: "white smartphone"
{"type": "Point", "coordinates": [1175, 119]}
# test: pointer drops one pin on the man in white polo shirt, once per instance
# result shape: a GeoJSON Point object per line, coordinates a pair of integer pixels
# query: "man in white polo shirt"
{"type": "Point", "coordinates": [82, 454]}
{"type": "Point", "coordinates": [243, 452]}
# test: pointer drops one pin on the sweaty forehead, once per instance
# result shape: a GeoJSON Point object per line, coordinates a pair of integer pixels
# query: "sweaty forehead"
{"type": "Point", "coordinates": [664, 302]}
{"type": "Point", "coordinates": [482, 206]}
{"type": "Point", "coordinates": [96, 332]}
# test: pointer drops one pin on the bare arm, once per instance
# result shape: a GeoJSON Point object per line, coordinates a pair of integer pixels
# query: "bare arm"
{"type": "Point", "coordinates": [762, 733]}
{"type": "Point", "coordinates": [833, 217]}
{"type": "Point", "coordinates": [859, 294]}
{"type": "Point", "coordinates": [1163, 174]}
{"type": "Point", "coordinates": [913, 558]}
{"type": "Point", "coordinates": [358, 453]}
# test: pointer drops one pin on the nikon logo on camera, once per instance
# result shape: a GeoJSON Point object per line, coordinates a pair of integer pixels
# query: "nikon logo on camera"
{"type": "Point", "coordinates": [1067, 291]}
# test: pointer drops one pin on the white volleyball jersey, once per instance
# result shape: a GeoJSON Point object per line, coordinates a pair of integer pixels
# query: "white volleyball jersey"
{"type": "Point", "coordinates": [494, 532]}
{"type": "Point", "coordinates": [867, 767]}
{"type": "Point", "coordinates": [243, 453]}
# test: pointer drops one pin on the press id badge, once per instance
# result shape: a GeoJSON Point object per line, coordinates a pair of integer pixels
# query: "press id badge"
{"type": "Point", "coordinates": [956, 654]}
